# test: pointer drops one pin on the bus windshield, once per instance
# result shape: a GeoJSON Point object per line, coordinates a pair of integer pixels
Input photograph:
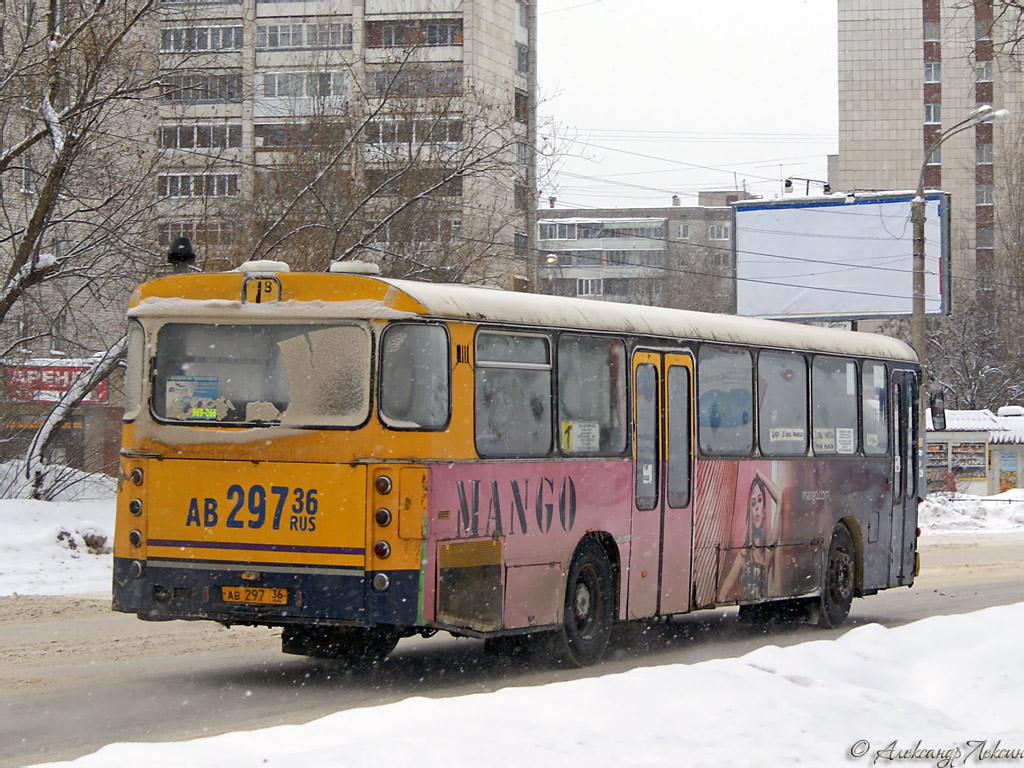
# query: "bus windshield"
{"type": "Point", "coordinates": [256, 375]}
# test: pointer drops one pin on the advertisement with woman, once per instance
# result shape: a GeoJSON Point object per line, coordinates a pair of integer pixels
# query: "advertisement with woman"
{"type": "Point", "coordinates": [776, 514]}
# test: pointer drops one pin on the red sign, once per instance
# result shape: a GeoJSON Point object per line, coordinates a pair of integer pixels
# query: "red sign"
{"type": "Point", "coordinates": [46, 383]}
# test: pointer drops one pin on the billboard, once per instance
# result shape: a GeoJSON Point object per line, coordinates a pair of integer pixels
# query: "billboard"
{"type": "Point", "coordinates": [838, 257]}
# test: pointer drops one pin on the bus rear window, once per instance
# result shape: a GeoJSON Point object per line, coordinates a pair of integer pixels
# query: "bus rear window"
{"type": "Point", "coordinates": [296, 375]}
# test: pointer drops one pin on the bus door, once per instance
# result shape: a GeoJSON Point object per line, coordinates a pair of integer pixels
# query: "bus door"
{"type": "Point", "coordinates": [905, 478]}
{"type": "Point", "coordinates": [661, 542]}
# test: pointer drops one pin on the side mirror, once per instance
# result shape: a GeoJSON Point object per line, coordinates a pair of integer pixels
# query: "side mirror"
{"type": "Point", "coordinates": [937, 401]}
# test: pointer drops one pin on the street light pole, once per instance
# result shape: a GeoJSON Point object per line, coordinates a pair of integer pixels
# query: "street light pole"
{"type": "Point", "coordinates": [983, 114]}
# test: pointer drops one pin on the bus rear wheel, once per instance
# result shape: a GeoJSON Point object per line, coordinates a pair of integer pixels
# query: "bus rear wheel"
{"type": "Point", "coordinates": [589, 607]}
{"type": "Point", "coordinates": [839, 580]}
{"type": "Point", "coordinates": [357, 647]}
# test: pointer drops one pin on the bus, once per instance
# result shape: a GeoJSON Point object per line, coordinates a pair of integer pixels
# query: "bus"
{"type": "Point", "coordinates": [356, 459]}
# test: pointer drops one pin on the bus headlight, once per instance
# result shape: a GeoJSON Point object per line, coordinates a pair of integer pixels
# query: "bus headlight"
{"type": "Point", "coordinates": [382, 484]}
{"type": "Point", "coordinates": [382, 517]}
{"type": "Point", "coordinates": [382, 549]}
{"type": "Point", "coordinates": [135, 538]}
{"type": "Point", "coordinates": [135, 507]}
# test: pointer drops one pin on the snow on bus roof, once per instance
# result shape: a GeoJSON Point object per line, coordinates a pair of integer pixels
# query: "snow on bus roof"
{"type": "Point", "coordinates": [453, 301]}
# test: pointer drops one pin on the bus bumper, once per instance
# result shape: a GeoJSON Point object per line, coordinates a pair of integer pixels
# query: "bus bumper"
{"type": "Point", "coordinates": [159, 591]}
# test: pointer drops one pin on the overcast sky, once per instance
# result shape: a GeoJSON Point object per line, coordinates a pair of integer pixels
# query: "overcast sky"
{"type": "Point", "coordinates": [713, 94]}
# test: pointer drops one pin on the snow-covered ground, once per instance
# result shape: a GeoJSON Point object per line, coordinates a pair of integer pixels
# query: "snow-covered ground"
{"type": "Point", "coordinates": [941, 692]}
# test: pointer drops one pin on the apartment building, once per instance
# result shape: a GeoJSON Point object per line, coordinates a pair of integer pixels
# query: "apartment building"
{"type": "Point", "coordinates": [395, 131]}
{"type": "Point", "coordinates": [911, 71]}
{"type": "Point", "coordinates": [676, 256]}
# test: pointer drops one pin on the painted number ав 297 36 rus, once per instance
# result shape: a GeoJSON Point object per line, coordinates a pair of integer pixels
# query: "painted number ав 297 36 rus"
{"type": "Point", "coordinates": [255, 508]}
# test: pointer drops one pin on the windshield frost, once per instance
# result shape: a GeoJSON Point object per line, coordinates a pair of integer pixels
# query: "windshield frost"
{"type": "Point", "coordinates": [303, 375]}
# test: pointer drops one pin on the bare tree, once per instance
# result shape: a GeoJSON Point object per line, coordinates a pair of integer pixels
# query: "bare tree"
{"type": "Point", "coordinates": [74, 202]}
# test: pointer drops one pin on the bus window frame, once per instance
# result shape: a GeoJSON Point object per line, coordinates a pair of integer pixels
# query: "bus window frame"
{"type": "Point", "coordinates": [858, 429]}
{"type": "Point", "coordinates": [807, 403]}
{"type": "Point", "coordinates": [750, 351]}
{"type": "Point", "coordinates": [548, 336]}
{"type": "Point", "coordinates": [136, 372]}
{"type": "Point", "coordinates": [627, 392]}
{"type": "Point", "coordinates": [377, 372]}
{"type": "Point", "coordinates": [887, 371]}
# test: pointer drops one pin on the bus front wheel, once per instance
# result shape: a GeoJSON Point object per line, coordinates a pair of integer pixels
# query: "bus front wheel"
{"type": "Point", "coordinates": [839, 581]}
{"type": "Point", "coordinates": [589, 607]}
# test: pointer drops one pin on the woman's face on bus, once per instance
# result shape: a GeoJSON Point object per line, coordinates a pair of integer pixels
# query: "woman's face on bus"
{"type": "Point", "coordinates": [757, 506]}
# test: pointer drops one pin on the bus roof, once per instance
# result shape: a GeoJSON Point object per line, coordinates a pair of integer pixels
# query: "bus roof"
{"type": "Point", "coordinates": [479, 304]}
{"type": "Point", "coordinates": [315, 294]}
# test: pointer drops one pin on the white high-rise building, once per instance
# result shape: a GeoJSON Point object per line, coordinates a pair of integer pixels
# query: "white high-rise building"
{"type": "Point", "coordinates": [910, 70]}
{"type": "Point", "coordinates": [394, 98]}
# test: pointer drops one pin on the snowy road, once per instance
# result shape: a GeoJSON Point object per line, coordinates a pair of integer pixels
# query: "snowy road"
{"type": "Point", "coordinates": [74, 676]}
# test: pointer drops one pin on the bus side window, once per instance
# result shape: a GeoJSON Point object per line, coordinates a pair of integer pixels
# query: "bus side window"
{"type": "Point", "coordinates": [725, 401]}
{"type": "Point", "coordinates": [782, 397]}
{"type": "Point", "coordinates": [834, 416]}
{"type": "Point", "coordinates": [875, 410]}
{"type": "Point", "coordinates": [512, 395]}
{"type": "Point", "coordinates": [591, 394]}
{"type": "Point", "coordinates": [414, 376]}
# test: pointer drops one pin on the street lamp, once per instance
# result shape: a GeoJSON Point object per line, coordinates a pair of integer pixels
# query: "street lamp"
{"type": "Point", "coordinates": [983, 114]}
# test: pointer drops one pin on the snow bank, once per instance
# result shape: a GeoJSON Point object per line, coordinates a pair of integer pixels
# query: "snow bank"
{"type": "Point", "coordinates": [864, 699]}
{"type": "Point", "coordinates": [956, 513]}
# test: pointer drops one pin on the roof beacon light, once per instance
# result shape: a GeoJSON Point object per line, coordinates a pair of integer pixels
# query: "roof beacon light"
{"type": "Point", "coordinates": [354, 268]}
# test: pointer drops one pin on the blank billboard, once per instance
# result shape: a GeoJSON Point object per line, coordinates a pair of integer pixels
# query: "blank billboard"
{"type": "Point", "coordinates": [838, 257]}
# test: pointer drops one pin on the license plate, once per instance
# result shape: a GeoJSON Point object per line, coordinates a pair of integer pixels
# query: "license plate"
{"type": "Point", "coordinates": [261, 595]}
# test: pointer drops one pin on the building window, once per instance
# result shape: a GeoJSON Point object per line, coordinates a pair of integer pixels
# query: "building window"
{"type": "Point", "coordinates": [201, 136]}
{"type": "Point", "coordinates": [414, 81]}
{"type": "Point", "coordinates": [933, 113]}
{"type": "Point", "coordinates": [270, 37]}
{"type": "Point", "coordinates": [29, 175]}
{"type": "Point", "coordinates": [522, 153]}
{"type": "Point", "coordinates": [197, 185]}
{"type": "Point", "coordinates": [521, 107]}
{"type": "Point", "coordinates": [931, 30]}
{"type": "Point", "coordinates": [983, 154]}
{"type": "Point", "coordinates": [933, 154]}
{"type": "Point", "coordinates": [414, 132]}
{"type": "Point", "coordinates": [983, 194]}
{"type": "Point", "coordinates": [556, 231]}
{"type": "Point", "coordinates": [718, 232]}
{"type": "Point", "coordinates": [57, 334]}
{"type": "Point", "coordinates": [201, 88]}
{"type": "Point", "coordinates": [682, 231]}
{"type": "Point", "coordinates": [282, 85]}
{"type": "Point", "coordinates": [985, 237]}
{"type": "Point", "coordinates": [413, 33]}
{"type": "Point", "coordinates": [589, 286]}
{"type": "Point", "coordinates": [521, 245]}
{"type": "Point", "coordinates": [522, 59]}
{"type": "Point", "coordinates": [983, 71]}
{"type": "Point", "coordinates": [173, 39]}
{"type": "Point", "coordinates": [983, 29]}
{"type": "Point", "coordinates": [932, 72]}
{"type": "Point", "coordinates": [521, 13]}
{"type": "Point", "coordinates": [199, 232]}
{"type": "Point", "coordinates": [444, 34]}
{"type": "Point", "coordinates": [521, 198]}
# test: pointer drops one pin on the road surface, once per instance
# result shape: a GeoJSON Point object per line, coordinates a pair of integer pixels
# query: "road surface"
{"type": "Point", "coordinates": [74, 676]}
